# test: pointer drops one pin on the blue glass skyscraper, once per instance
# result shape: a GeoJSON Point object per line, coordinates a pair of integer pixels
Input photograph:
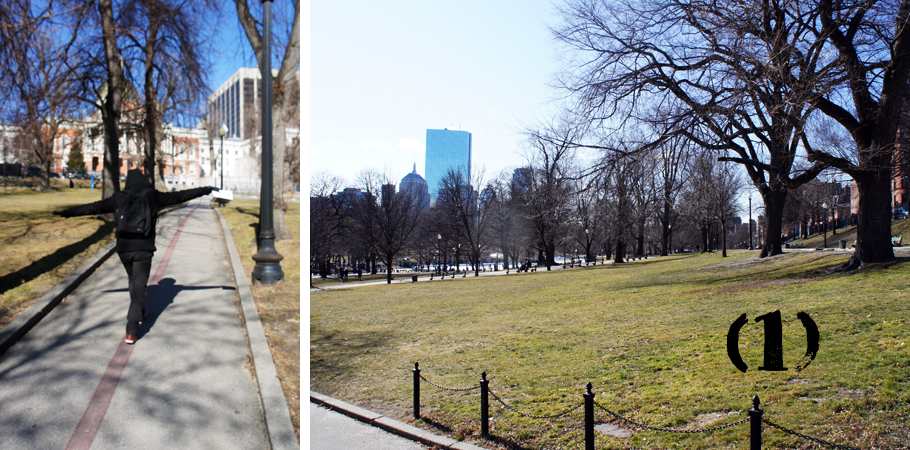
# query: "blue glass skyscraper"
{"type": "Point", "coordinates": [446, 149]}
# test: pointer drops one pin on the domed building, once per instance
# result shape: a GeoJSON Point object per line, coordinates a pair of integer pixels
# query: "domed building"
{"type": "Point", "coordinates": [416, 185]}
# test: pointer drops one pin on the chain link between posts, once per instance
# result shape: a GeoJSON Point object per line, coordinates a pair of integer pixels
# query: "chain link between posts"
{"type": "Point", "coordinates": [548, 416]}
{"type": "Point", "coordinates": [668, 430]}
{"type": "Point", "coordinates": [448, 388]}
{"type": "Point", "coordinates": [810, 438]}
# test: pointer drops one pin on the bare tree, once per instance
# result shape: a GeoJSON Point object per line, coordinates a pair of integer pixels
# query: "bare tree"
{"type": "Point", "coordinates": [469, 209]}
{"type": "Point", "coordinates": [285, 100]}
{"type": "Point", "coordinates": [36, 46]}
{"type": "Point", "coordinates": [699, 64]}
{"type": "Point", "coordinates": [326, 215]}
{"type": "Point", "coordinates": [166, 55]}
{"type": "Point", "coordinates": [545, 196]}
{"type": "Point", "coordinates": [864, 90]}
{"type": "Point", "coordinates": [508, 228]}
{"type": "Point", "coordinates": [672, 156]}
{"type": "Point", "coordinates": [384, 218]}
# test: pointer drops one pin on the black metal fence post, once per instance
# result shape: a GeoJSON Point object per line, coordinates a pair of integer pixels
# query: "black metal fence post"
{"type": "Point", "coordinates": [589, 418]}
{"type": "Point", "coordinates": [755, 415]}
{"type": "Point", "coordinates": [416, 391]}
{"type": "Point", "coordinates": [484, 406]}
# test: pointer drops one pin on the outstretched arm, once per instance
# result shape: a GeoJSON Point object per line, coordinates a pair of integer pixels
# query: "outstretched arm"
{"type": "Point", "coordinates": [172, 198]}
{"type": "Point", "coordinates": [107, 205]}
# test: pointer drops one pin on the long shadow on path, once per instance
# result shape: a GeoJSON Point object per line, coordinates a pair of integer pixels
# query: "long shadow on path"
{"type": "Point", "coordinates": [160, 296]}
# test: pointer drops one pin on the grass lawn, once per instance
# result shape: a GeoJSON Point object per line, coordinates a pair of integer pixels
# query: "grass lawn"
{"type": "Point", "coordinates": [651, 337]}
{"type": "Point", "coordinates": [278, 305]}
{"type": "Point", "coordinates": [40, 250]}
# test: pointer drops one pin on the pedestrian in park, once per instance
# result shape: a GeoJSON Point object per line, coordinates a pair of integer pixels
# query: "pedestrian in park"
{"type": "Point", "coordinates": [135, 250]}
{"type": "Point", "coordinates": [359, 274]}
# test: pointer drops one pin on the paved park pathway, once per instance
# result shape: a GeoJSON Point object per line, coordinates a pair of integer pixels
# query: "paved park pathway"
{"type": "Point", "coordinates": [188, 382]}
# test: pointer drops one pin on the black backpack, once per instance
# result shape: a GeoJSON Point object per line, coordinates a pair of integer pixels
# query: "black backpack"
{"type": "Point", "coordinates": [134, 215]}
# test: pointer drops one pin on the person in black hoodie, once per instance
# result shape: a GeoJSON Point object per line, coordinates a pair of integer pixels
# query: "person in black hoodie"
{"type": "Point", "coordinates": [136, 251]}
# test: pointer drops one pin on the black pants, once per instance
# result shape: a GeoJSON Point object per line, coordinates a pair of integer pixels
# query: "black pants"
{"type": "Point", "coordinates": [138, 265]}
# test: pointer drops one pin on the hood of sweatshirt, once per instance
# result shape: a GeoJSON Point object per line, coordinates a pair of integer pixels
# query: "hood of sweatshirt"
{"type": "Point", "coordinates": [135, 181]}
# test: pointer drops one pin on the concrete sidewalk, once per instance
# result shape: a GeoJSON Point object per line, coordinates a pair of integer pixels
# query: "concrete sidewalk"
{"type": "Point", "coordinates": [188, 382]}
{"type": "Point", "coordinates": [338, 425]}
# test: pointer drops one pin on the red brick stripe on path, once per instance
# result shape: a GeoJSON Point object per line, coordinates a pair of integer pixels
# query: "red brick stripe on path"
{"type": "Point", "coordinates": [91, 420]}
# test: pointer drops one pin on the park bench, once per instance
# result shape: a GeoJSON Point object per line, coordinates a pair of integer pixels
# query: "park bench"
{"type": "Point", "coordinates": [896, 241]}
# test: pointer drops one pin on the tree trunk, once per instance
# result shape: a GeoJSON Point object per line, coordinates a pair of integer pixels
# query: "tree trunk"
{"type": "Point", "coordinates": [640, 244]}
{"type": "Point", "coordinates": [388, 276]}
{"type": "Point", "coordinates": [873, 232]}
{"type": "Point", "coordinates": [705, 231]}
{"type": "Point", "coordinates": [620, 251]}
{"type": "Point", "coordinates": [774, 213]}
{"type": "Point", "coordinates": [151, 122]}
{"type": "Point", "coordinates": [110, 110]}
{"type": "Point", "coordinates": [550, 254]}
{"type": "Point", "coordinates": [723, 239]}
{"type": "Point", "coordinates": [665, 231]}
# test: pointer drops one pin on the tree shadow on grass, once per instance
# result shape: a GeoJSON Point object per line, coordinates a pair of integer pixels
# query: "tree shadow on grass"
{"type": "Point", "coordinates": [334, 355]}
{"type": "Point", "coordinates": [53, 261]}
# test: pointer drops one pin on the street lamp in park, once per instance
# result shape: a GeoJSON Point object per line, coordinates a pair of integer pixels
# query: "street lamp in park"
{"type": "Point", "coordinates": [834, 215]}
{"type": "Point", "coordinates": [750, 223]}
{"type": "Point", "coordinates": [587, 246]}
{"type": "Point", "coordinates": [221, 132]}
{"type": "Point", "coordinates": [268, 261]}
{"type": "Point", "coordinates": [825, 224]}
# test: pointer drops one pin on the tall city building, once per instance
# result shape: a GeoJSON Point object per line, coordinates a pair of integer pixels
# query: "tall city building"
{"type": "Point", "coordinates": [414, 184]}
{"type": "Point", "coordinates": [446, 149]}
{"type": "Point", "coordinates": [237, 101]}
{"type": "Point", "coordinates": [236, 104]}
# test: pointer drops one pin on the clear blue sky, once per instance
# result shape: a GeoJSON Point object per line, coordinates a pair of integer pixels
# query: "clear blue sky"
{"type": "Point", "coordinates": [382, 73]}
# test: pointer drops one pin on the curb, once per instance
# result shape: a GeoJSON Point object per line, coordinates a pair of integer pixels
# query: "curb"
{"type": "Point", "coordinates": [21, 325]}
{"type": "Point", "coordinates": [392, 426]}
{"type": "Point", "coordinates": [278, 423]}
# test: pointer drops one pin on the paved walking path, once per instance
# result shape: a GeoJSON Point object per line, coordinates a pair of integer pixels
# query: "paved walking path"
{"type": "Point", "coordinates": [330, 430]}
{"type": "Point", "coordinates": [72, 383]}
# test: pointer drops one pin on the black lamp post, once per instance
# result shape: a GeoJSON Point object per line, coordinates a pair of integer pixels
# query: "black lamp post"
{"type": "Point", "coordinates": [221, 132]}
{"type": "Point", "coordinates": [268, 261]}
{"type": "Point", "coordinates": [825, 224]}
{"type": "Point", "coordinates": [834, 216]}
{"type": "Point", "coordinates": [750, 222]}
{"type": "Point", "coordinates": [587, 247]}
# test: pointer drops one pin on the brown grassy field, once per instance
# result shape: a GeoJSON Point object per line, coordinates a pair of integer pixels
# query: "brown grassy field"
{"type": "Point", "coordinates": [41, 250]}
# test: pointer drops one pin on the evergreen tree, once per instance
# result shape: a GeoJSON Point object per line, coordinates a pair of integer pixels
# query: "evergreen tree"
{"type": "Point", "coordinates": [76, 161]}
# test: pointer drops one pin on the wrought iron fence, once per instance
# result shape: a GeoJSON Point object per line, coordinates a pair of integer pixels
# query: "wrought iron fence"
{"type": "Point", "coordinates": [754, 418]}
